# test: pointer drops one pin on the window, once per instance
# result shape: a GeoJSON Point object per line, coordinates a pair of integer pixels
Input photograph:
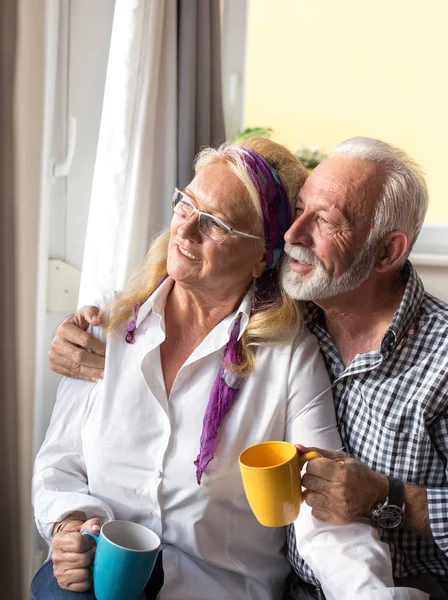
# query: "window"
{"type": "Point", "coordinates": [320, 72]}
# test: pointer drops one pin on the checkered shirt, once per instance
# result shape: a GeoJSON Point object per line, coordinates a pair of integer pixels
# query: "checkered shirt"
{"type": "Point", "coordinates": [392, 411]}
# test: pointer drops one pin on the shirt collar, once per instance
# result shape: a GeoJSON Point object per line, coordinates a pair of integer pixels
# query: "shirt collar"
{"type": "Point", "coordinates": [156, 303]}
{"type": "Point", "coordinates": [243, 310]}
{"type": "Point", "coordinates": [313, 314]}
{"type": "Point", "coordinates": [407, 310]}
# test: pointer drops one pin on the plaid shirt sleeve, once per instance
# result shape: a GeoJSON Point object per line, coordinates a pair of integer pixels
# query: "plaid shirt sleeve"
{"type": "Point", "coordinates": [438, 497]}
{"type": "Point", "coordinates": [437, 503]}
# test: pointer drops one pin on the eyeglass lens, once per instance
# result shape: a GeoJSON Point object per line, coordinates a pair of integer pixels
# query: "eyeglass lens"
{"type": "Point", "coordinates": [207, 225]}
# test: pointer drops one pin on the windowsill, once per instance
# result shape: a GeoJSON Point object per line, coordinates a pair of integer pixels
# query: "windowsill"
{"type": "Point", "coordinates": [424, 259]}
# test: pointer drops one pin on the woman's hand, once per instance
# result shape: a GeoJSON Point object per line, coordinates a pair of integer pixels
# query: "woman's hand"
{"type": "Point", "coordinates": [73, 351]}
{"type": "Point", "coordinates": [72, 553]}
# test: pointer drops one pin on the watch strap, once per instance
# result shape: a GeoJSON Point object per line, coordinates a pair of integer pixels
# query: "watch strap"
{"type": "Point", "coordinates": [396, 492]}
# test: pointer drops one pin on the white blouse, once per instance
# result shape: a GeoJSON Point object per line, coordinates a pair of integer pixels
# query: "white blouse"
{"type": "Point", "coordinates": [121, 449]}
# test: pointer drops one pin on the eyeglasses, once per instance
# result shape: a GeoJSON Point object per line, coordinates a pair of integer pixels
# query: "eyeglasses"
{"type": "Point", "coordinates": [210, 227]}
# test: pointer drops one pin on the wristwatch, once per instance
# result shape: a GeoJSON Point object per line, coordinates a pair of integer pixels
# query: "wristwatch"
{"type": "Point", "coordinates": [390, 515]}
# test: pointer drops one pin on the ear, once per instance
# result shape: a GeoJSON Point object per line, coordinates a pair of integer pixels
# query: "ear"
{"type": "Point", "coordinates": [392, 251]}
{"type": "Point", "coordinates": [259, 267]}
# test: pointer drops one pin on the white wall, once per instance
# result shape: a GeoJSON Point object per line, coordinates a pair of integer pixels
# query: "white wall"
{"type": "Point", "coordinates": [435, 280]}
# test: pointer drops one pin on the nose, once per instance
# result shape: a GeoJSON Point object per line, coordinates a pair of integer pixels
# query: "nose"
{"type": "Point", "coordinates": [299, 232]}
{"type": "Point", "coordinates": [189, 228]}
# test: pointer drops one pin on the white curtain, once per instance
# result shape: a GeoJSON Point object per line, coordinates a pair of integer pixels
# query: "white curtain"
{"type": "Point", "coordinates": [135, 170]}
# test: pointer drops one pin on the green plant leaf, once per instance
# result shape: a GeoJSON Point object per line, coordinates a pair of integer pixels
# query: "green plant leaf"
{"type": "Point", "coordinates": [310, 157]}
{"type": "Point", "coordinates": [250, 131]}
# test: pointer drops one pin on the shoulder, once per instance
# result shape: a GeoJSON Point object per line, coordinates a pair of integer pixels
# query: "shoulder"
{"type": "Point", "coordinates": [433, 315]}
{"type": "Point", "coordinates": [298, 345]}
{"type": "Point", "coordinates": [435, 306]}
{"type": "Point", "coordinates": [306, 342]}
{"type": "Point", "coordinates": [298, 353]}
{"type": "Point", "coordinates": [306, 358]}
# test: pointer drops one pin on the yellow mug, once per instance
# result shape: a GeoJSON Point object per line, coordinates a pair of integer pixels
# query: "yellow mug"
{"type": "Point", "coordinates": [271, 480]}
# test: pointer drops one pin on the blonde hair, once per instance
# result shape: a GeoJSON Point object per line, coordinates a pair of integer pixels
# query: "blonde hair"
{"type": "Point", "coordinates": [278, 316]}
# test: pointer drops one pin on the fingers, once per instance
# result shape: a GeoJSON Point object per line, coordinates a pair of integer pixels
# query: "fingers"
{"type": "Point", "coordinates": [92, 525]}
{"type": "Point", "coordinates": [72, 361]}
{"type": "Point", "coordinates": [325, 453]}
{"type": "Point", "coordinates": [302, 449]}
{"type": "Point", "coordinates": [316, 484]}
{"type": "Point", "coordinates": [74, 580]}
{"type": "Point", "coordinates": [73, 330]}
{"type": "Point", "coordinates": [65, 350]}
{"type": "Point", "coordinates": [329, 508]}
{"type": "Point", "coordinates": [85, 373]}
{"type": "Point", "coordinates": [72, 553]}
{"type": "Point", "coordinates": [71, 542]}
{"type": "Point", "coordinates": [76, 353]}
{"type": "Point", "coordinates": [75, 560]}
{"type": "Point", "coordinates": [331, 454]}
{"type": "Point", "coordinates": [89, 314]}
{"type": "Point", "coordinates": [330, 469]}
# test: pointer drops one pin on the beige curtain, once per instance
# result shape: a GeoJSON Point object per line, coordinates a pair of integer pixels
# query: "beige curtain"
{"type": "Point", "coordinates": [200, 119]}
{"type": "Point", "coordinates": [21, 77]}
{"type": "Point", "coordinates": [10, 563]}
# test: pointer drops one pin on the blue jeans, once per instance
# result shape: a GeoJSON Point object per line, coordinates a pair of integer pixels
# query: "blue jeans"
{"type": "Point", "coordinates": [45, 587]}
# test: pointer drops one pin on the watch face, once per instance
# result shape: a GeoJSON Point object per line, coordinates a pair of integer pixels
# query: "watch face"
{"type": "Point", "coordinates": [389, 517]}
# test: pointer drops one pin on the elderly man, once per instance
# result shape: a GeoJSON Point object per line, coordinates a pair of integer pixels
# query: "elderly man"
{"type": "Point", "coordinates": [385, 346]}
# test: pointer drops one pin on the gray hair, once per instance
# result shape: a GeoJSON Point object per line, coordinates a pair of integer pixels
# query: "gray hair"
{"type": "Point", "coordinates": [403, 201]}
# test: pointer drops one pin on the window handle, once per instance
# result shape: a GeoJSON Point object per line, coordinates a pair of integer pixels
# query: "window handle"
{"type": "Point", "coordinates": [62, 169]}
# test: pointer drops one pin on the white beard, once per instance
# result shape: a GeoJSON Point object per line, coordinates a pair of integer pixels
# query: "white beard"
{"type": "Point", "coordinates": [321, 284]}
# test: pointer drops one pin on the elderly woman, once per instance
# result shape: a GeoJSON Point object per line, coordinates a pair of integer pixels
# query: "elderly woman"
{"type": "Point", "coordinates": [205, 356]}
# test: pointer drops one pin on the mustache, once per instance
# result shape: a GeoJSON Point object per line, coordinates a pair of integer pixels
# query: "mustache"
{"type": "Point", "coordinates": [301, 254]}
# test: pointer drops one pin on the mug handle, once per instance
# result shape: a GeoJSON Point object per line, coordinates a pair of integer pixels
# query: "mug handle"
{"type": "Point", "coordinates": [97, 539]}
{"type": "Point", "coordinates": [304, 458]}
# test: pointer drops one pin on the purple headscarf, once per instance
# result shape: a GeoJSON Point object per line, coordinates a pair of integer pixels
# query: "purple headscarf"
{"type": "Point", "coordinates": [273, 200]}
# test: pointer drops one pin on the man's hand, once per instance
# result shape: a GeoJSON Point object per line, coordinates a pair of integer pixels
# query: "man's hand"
{"type": "Point", "coordinates": [69, 350]}
{"type": "Point", "coordinates": [72, 553]}
{"type": "Point", "coordinates": [340, 488]}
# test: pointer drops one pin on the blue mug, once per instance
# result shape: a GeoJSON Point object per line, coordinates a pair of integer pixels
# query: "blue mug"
{"type": "Point", "coordinates": [125, 556]}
